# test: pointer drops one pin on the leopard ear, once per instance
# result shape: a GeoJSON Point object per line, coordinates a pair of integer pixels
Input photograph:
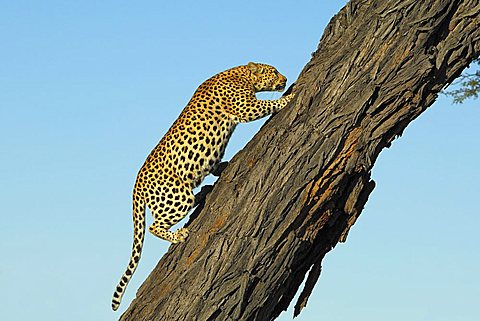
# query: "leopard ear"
{"type": "Point", "coordinates": [253, 67]}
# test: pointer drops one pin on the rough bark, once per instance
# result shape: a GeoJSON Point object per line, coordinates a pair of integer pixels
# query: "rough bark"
{"type": "Point", "coordinates": [296, 189]}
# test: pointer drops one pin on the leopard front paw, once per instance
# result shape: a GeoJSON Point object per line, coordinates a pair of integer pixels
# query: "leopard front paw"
{"type": "Point", "coordinates": [289, 97]}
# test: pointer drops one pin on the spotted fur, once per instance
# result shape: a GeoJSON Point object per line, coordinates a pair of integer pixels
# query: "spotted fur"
{"type": "Point", "coordinates": [191, 149]}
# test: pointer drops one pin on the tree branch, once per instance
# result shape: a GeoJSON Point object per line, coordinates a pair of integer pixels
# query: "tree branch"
{"type": "Point", "coordinates": [296, 189]}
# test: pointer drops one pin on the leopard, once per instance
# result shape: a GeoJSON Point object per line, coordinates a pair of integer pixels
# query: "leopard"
{"type": "Point", "coordinates": [192, 148]}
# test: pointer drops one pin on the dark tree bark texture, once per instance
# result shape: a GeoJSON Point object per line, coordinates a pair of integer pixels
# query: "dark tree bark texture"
{"type": "Point", "coordinates": [296, 189]}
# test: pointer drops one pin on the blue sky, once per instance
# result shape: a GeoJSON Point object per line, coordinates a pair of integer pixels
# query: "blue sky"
{"type": "Point", "coordinates": [88, 88]}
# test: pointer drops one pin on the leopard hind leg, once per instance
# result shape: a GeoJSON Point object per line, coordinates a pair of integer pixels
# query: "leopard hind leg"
{"type": "Point", "coordinates": [170, 204]}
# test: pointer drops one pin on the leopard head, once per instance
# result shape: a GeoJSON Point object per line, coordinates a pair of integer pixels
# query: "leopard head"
{"type": "Point", "coordinates": [266, 77]}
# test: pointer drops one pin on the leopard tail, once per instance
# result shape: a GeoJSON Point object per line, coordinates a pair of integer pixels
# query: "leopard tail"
{"type": "Point", "coordinates": [138, 237]}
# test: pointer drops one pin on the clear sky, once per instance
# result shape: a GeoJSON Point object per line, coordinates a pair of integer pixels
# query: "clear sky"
{"type": "Point", "coordinates": [87, 88]}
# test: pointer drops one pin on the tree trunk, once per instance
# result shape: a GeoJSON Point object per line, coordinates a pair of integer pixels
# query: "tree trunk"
{"type": "Point", "coordinates": [295, 190]}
